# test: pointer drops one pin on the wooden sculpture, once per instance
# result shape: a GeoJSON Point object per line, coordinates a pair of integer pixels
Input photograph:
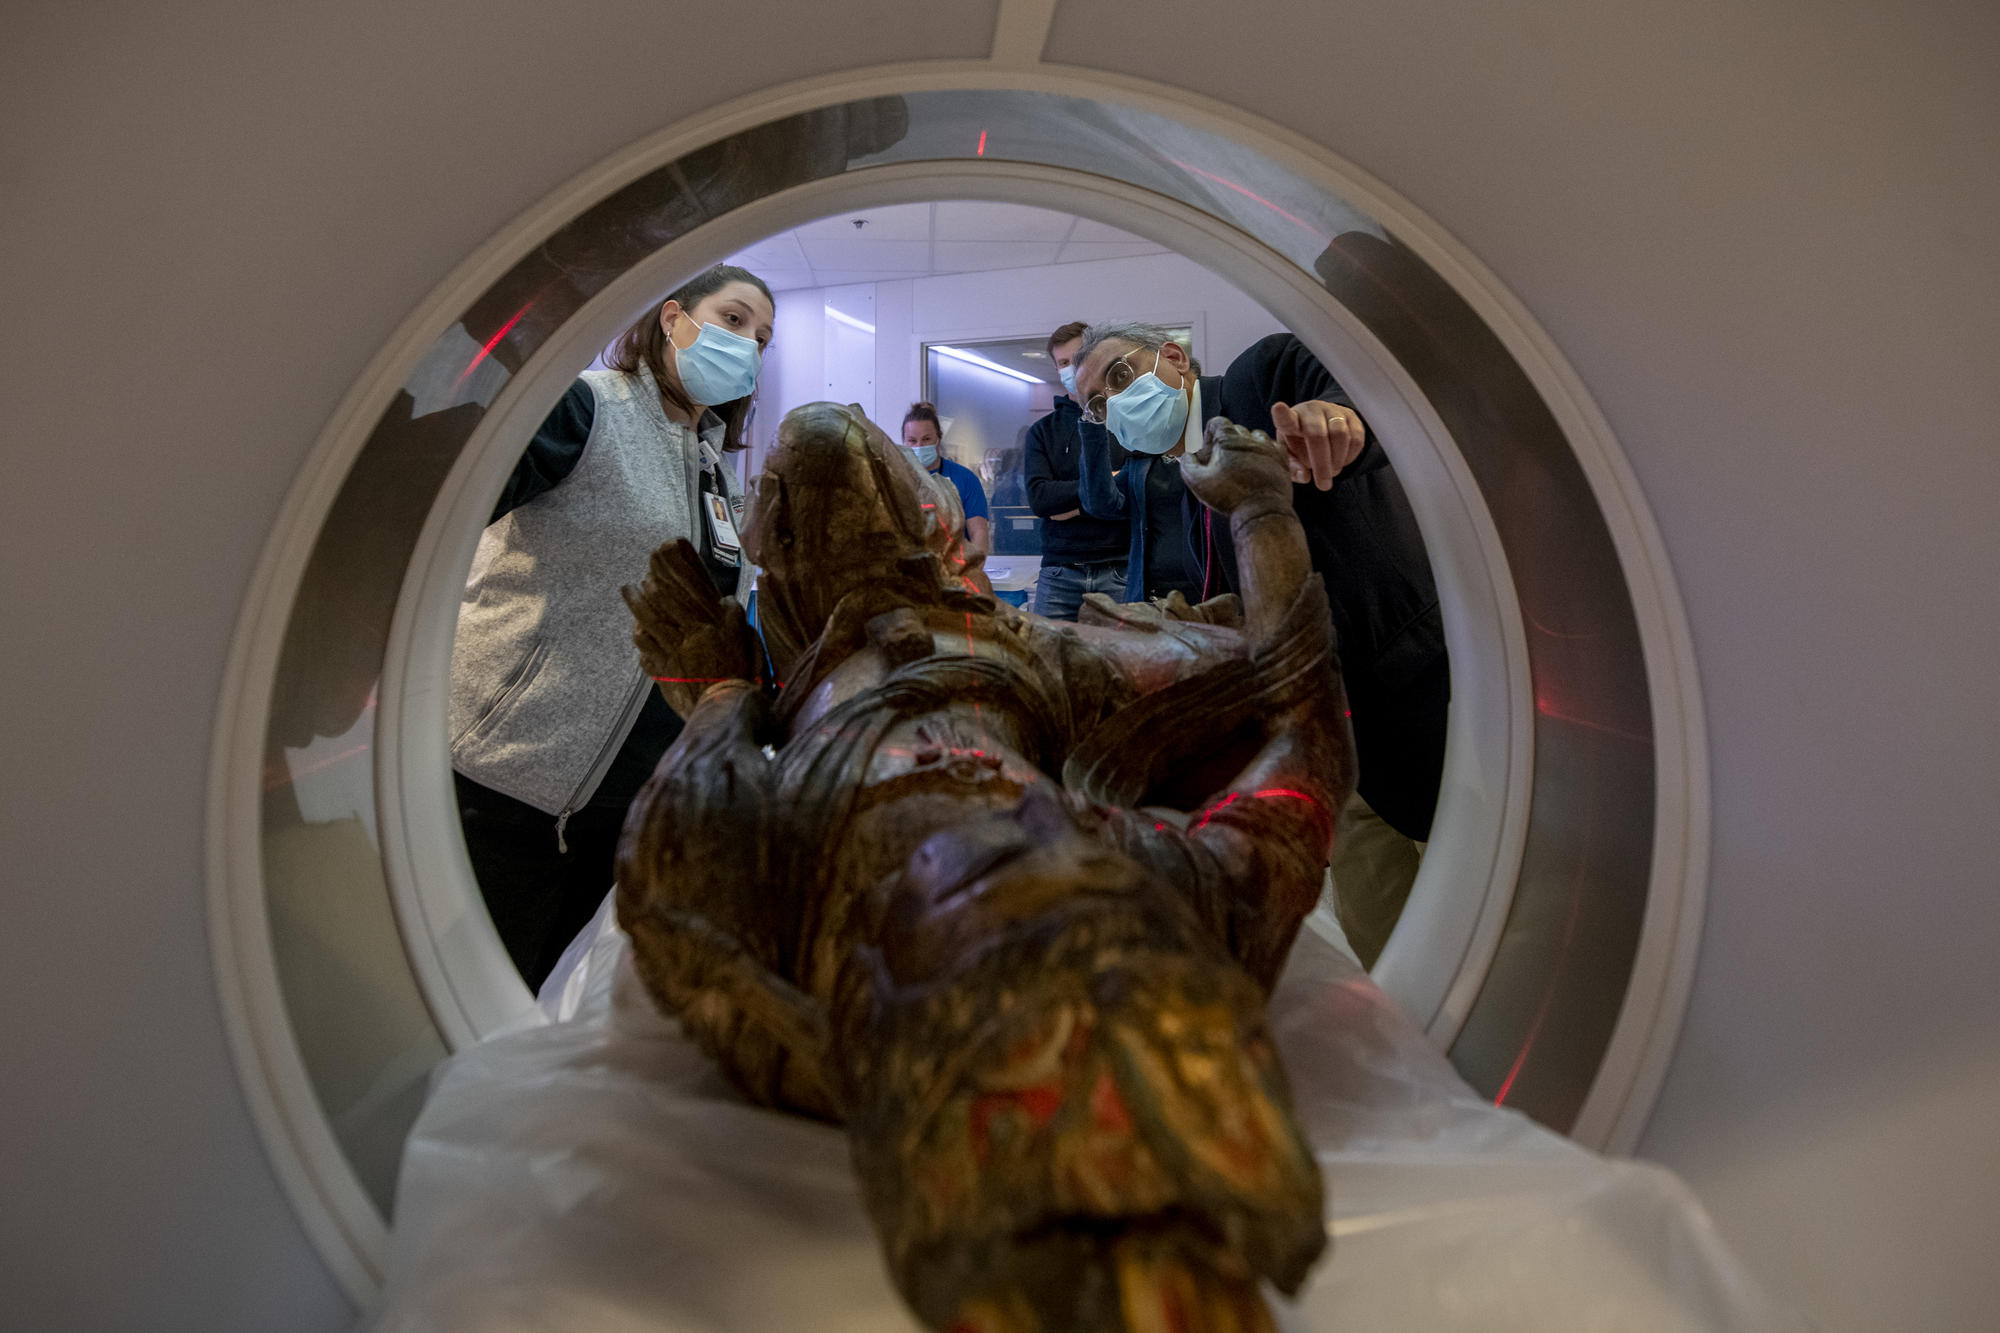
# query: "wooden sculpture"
{"type": "Point", "coordinates": [929, 877]}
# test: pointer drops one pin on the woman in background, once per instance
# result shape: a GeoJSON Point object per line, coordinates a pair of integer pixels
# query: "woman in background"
{"type": "Point", "coordinates": [553, 726]}
{"type": "Point", "coordinates": [923, 436]}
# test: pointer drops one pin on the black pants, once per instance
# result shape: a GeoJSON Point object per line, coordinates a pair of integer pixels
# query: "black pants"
{"type": "Point", "coordinates": [539, 896]}
{"type": "Point", "coordinates": [1399, 741]}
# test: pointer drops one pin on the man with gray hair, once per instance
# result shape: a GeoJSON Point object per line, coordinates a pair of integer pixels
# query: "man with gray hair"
{"type": "Point", "coordinates": [1149, 393]}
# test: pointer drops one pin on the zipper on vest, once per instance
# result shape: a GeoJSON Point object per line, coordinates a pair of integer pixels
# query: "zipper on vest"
{"type": "Point", "coordinates": [602, 764]}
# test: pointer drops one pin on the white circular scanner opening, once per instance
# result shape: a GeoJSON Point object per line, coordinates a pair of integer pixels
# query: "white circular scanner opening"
{"type": "Point", "coordinates": [1548, 941]}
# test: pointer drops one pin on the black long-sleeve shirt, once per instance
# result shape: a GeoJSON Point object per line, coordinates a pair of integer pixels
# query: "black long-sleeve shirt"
{"type": "Point", "coordinates": [553, 452]}
{"type": "Point", "coordinates": [1050, 462]}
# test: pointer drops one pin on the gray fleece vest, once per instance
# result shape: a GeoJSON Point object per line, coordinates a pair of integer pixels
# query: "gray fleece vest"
{"type": "Point", "coordinates": [545, 682]}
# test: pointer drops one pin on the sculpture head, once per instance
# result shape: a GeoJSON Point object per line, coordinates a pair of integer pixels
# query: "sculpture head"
{"type": "Point", "coordinates": [839, 506]}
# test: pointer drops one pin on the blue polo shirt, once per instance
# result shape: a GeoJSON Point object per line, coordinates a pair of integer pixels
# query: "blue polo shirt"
{"type": "Point", "coordinates": [971, 495]}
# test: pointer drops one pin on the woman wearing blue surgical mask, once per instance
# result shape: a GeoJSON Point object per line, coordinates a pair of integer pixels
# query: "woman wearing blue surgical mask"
{"type": "Point", "coordinates": [923, 436]}
{"type": "Point", "coordinates": [554, 726]}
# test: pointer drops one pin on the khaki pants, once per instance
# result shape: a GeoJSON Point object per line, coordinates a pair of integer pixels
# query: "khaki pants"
{"type": "Point", "coordinates": [1373, 868]}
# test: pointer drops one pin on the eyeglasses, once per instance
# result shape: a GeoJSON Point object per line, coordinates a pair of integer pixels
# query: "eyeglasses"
{"type": "Point", "coordinates": [1118, 377]}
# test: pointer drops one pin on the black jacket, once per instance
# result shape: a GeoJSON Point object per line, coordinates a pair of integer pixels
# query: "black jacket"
{"type": "Point", "coordinates": [1364, 542]}
{"type": "Point", "coordinates": [1054, 446]}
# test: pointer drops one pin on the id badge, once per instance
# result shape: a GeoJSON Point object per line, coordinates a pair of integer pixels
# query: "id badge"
{"type": "Point", "coordinates": [721, 527]}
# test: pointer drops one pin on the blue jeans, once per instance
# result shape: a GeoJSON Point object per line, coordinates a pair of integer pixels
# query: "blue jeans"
{"type": "Point", "coordinates": [1059, 589]}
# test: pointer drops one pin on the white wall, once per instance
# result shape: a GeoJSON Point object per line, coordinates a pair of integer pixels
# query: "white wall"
{"type": "Point", "coordinates": [1762, 231]}
{"type": "Point", "coordinates": [850, 345]}
{"type": "Point", "coordinates": [1008, 303]}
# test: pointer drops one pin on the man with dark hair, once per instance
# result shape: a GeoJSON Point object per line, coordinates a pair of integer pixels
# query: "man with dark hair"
{"type": "Point", "coordinates": [1080, 554]}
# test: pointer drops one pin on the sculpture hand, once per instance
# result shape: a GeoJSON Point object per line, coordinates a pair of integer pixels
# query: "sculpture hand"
{"type": "Point", "coordinates": [689, 636]}
{"type": "Point", "coordinates": [1239, 471]}
{"type": "Point", "coordinates": [1247, 475]}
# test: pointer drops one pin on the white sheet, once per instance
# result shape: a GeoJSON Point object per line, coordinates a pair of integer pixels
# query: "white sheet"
{"type": "Point", "coordinates": [598, 1174]}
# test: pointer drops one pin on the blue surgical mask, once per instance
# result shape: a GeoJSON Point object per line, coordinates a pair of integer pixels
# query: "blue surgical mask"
{"type": "Point", "coordinates": [926, 455]}
{"type": "Point", "coordinates": [719, 367]}
{"type": "Point", "coordinates": [1068, 374]}
{"type": "Point", "coordinates": [1147, 417]}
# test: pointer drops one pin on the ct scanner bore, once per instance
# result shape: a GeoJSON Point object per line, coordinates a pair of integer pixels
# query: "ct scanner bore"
{"type": "Point", "coordinates": [1550, 935]}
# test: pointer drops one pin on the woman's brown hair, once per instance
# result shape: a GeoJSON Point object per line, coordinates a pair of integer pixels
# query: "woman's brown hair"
{"type": "Point", "coordinates": [924, 412]}
{"type": "Point", "coordinates": [645, 344]}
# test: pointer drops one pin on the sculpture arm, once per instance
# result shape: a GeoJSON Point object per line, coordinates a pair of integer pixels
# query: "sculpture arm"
{"type": "Point", "coordinates": [1198, 692]}
{"type": "Point", "coordinates": [1245, 477]}
{"type": "Point", "coordinates": [1270, 830]}
{"type": "Point", "coordinates": [689, 635]}
{"type": "Point", "coordinates": [713, 917]}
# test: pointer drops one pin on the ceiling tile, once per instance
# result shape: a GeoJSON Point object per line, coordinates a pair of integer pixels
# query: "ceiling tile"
{"type": "Point", "coordinates": [841, 252]}
{"type": "Point", "coordinates": [974, 256]}
{"type": "Point", "coordinates": [896, 222]}
{"type": "Point", "coordinates": [780, 251]}
{"type": "Point", "coordinates": [1080, 251]}
{"type": "Point", "coordinates": [980, 221]}
{"type": "Point", "coordinates": [784, 279]}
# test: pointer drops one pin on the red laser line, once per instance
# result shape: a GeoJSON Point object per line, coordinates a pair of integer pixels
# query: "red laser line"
{"type": "Point", "coordinates": [1270, 792]}
{"type": "Point", "coordinates": [1585, 845]}
{"type": "Point", "coordinates": [981, 150]}
{"type": "Point", "coordinates": [1548, 997]}
{"type": "Point", "coordinates": [1320, 816]}
{"type": "Point", "coordinates": [1549, 710]}
{"type": "Point", "coordinates": [1556, 633]}
{"type": "Point", "coordinates": [293, 775]}
{"type": "Point", "coordinates": [1216, 809]}
{"type": "Point", "coordinates": [978, 715]}
{"type": "Point", "coordinates": [491, 343]}
{"type": "Point", "coordinates": [1208, 551]}
{"type": "Point", "coordinates": [1308, 227]}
